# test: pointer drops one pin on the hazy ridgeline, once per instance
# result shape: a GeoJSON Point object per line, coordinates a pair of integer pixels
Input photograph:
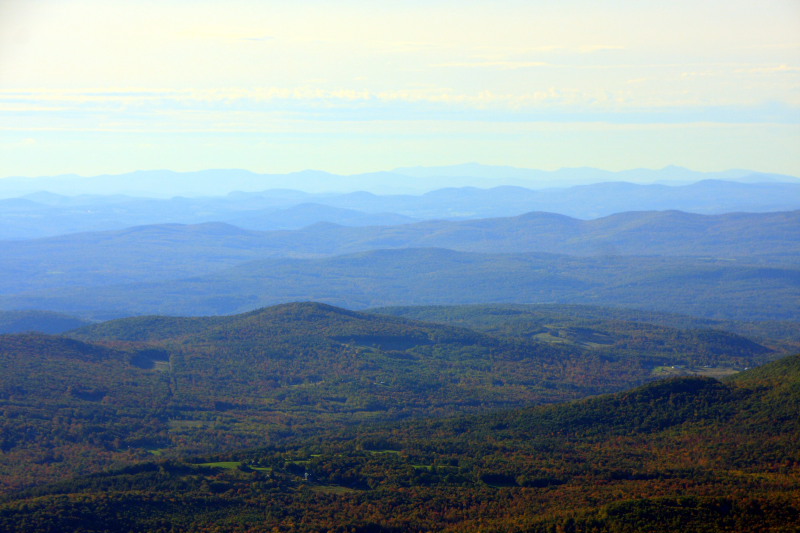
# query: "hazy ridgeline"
{"type": "Point", "coordinates": [705, 265]}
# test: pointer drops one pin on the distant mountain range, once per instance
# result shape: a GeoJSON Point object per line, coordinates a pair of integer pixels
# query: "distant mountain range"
{"type": "Point", "coordinates": [718, 266]}
{"type": "Point", "coordinates": [45, 214]}
{"type": "Point", "coordinates": [586, 175]}
{"type": "Point", "coordinates": [166, 183]}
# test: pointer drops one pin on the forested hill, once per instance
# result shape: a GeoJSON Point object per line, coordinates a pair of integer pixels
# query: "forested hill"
{"type": "Point", "coordinates": [605, 327]}
{"type": "Point", "coordinates": [685, 454]}
{"type": "Point", "coordinates": [120, 391]}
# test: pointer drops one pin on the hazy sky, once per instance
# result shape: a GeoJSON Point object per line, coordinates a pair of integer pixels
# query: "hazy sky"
{"type": "Point", "coordinates": [110, 86]}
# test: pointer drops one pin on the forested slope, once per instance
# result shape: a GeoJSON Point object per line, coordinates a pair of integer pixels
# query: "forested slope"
{"type": "Point", "coordinates": [119, 392]}
{"type": "Point", "coordinates": [685, 454]}
{"type": "Point", "coordinates": [612, 329]}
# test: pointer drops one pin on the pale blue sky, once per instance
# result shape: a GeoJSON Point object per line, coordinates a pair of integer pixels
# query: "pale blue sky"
{"type": "Point", "coordinates": [110, 86]}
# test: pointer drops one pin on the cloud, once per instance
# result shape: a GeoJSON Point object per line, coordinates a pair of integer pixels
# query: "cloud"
{"type": "Point", "coordinates": [780, 69]}
{"type": "Point", "coordinates": [299, 108]}
{"type": "Point", "coordinates": [504, 65]}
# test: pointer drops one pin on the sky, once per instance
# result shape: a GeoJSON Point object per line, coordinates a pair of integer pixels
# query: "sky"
{"type": "Point", "coordinates": [110, 86]}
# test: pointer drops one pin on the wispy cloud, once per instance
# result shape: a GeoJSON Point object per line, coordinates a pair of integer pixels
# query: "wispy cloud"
{"type": "Point", "coordinates": [264, 109]}
{"type": "Point", "coordinates": [504, 65]}
{"type": "Point", "coordinates": [779, 69]}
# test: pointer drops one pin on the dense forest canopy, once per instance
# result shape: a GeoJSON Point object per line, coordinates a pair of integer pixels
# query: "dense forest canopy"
{"type": "Point", "coordinates": [688, 454]}
{"type": "Point", "coordinates": [127, 389]}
